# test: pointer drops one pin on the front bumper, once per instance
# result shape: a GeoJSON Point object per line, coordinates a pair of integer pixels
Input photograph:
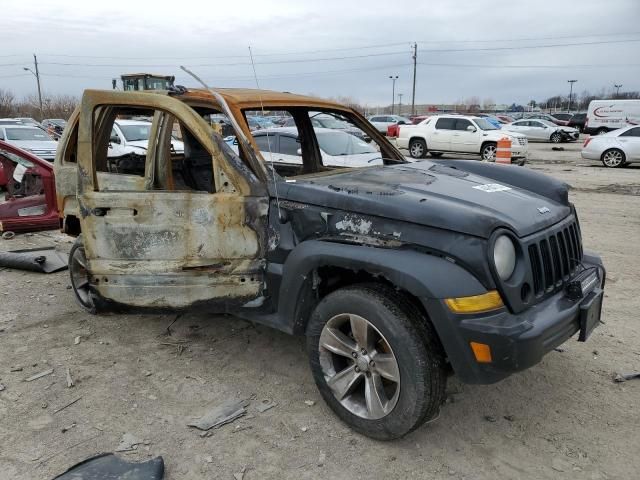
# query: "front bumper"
{"type": "Point", "coordinates": [517, 341]}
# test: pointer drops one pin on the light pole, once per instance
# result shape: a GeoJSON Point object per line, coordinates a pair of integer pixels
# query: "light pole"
{"type": "Point", "coordinates": [571, 82]}
{"type": "Point", "coordinates": [400, 103]}
{"type": "Point", "coordinates": [37, 75]}
{"type": "Point", "coordinates": [617, 87]}
{"type": "Point", "coordinates": [393, 91]}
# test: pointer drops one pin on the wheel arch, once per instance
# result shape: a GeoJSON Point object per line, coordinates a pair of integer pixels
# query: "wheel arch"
{"type": "Point", "coordinates": [316, 268]}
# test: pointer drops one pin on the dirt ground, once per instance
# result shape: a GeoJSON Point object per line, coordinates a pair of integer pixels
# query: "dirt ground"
{"type": "Point", "coordinates": [564, 418]}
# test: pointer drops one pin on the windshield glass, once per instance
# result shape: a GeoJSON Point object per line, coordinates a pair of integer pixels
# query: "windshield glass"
{"type": "Point", "coordinates": [134, 133]}
{"type": "Point", "coordinates": [27, 134]}
{"type": "Point", "coordinates": [16, 159]}
{"type": "Point", "coordinates": [328, 122]}
{"type": "Point", "coordinates": [341, 143]}
{"type": "Point", "coordinates": [484, 124]}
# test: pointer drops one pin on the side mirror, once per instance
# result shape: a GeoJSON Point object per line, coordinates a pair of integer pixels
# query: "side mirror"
{"type": "Point", "coordinates": [114, 139]}
{"type": "Point", "coordinates": [402, 122]}
{"type": "Point", "coordinates": [471, 128]}
{"type": "Point", "coordinates": [299, 152]}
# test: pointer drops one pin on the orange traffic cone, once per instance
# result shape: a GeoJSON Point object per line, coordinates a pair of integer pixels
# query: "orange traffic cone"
{"type": "Point", "coordinates": [503, 152]}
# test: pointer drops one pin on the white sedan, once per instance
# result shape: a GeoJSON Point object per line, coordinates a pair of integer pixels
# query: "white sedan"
{"type": "Point", "coordinates": [614, 149]}
{"type": "Point", "coordinates": [543, 130]}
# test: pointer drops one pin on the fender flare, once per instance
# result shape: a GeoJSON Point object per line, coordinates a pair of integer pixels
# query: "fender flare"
{"type": "Point", "coordinates": [422, 275]}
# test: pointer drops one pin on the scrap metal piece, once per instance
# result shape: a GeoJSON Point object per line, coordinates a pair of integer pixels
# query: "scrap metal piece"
{"type": "Point", "coordinates": [43, 260]}
{"type": "Point", "coordinates": [221, 415]}
{"type": "Point", "coordinates": [623, 377]}
{"type": "Point", "coordinates": [108, 466]}
{"type": "Point", "coordinates": [39, 375]}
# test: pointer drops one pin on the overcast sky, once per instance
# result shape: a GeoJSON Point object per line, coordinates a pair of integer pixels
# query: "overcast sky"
{"type": "Point", "coordinates": [328, 47]}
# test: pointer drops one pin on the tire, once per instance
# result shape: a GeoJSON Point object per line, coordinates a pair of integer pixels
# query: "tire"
{"type": "Point", "coordinates": [488, 151]}
{"type": "Point", "coordinates": [406, 339]}
{"type": "Point", "coordinates": [602, 131]}
{"type": "Point", "coordinates": [613, 158]}
{"type": "Point", "coordinates": [435, 154]}
{"type": "Point", "coordinates": [80, 277]}
{"type": "Point", "coordinates": [556, 137]}
{"type": "Point", "coordinates": [417, 148]}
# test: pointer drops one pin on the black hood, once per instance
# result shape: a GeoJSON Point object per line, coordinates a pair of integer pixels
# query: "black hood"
{"type": "Point", "coordinates": [435, 195]}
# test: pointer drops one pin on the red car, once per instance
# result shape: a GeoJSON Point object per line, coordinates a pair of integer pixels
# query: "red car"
{"type": "Point", "coordinates": [28, 198]}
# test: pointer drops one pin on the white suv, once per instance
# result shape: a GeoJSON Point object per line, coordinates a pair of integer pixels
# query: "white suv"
{"type": "Point", "coordinates": [458, 134]}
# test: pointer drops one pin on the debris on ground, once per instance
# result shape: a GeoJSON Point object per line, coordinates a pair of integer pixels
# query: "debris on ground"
{"type": "Point", "coordinates": [623, 377]}
{"type": "Point", "coordinates": [39, 375]}
{"type": "Point", "coordinates": [8, 235]}
{"type": "Point", "coordinates": [240, 474]}
{"type": "Point", "coordinates": [309, 403]}
{"type": "Point", "coordinates": [128, 443]}
{"type": "Point", "coordinates": [76, 341]}
{"type": "Point", "coordinates": [490, 418]}
{"type": "Point", "coordinates": [66, 405]}
{"type": "Point", "coordinates": [69, 379]}
{"type": "Point", "coordinates": [509, 418]}
{"type": "Point", "coordinates": [16, 369]}
{"type": "Point", "coordinates": [107, 465]}
{"type": "Point", "coordinates": [321, 459]}
{"type": "Point", "coordinates": [221, 415]}
{"type": "Point", "coordinates": [67, 428]}
{"type": "Point", "coordinates": [2, 387]}
{"type": "Point", "coordinates": [43, 260]}
{"type": "Point", "coordinates": [265, 405]}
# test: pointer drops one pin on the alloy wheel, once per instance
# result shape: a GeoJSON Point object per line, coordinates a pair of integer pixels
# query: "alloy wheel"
{"type": "Point", "coordinates": [489, 152]}
{"type": "Point", "coordinates": [613, 158]}
{"type": "Point", "coordinates": [417, 150]}
{"type": "Point", "coordinates": [359, 366]}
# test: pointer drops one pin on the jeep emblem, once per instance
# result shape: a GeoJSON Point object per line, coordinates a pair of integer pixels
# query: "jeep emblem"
{"type": "Point", "coordinates": [543, 210]}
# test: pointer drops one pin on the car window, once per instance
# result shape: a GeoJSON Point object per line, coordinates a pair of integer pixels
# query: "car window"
{"type": "Point", "coordinates": [632, 132]}
{"type": "Point", "coordinates": [289, 145]}
{"type": "Point", "coordinates": [484, 124]}
{"type": "Point", "coordinates": [336, 143]}
{"type": "Point", "coordinates": [26, 134]}
{"type": "Point", "coordinates": [446, 124]}
{"type": "Point", "coordinates": [266, 142]}
{"type": "Point", "coordinates": [536, 124]}
{"type": "Point", "coordinates": [462, 124]}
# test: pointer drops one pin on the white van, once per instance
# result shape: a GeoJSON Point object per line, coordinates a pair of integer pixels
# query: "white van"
{"type": "Point", "coordinates": [606, 115]}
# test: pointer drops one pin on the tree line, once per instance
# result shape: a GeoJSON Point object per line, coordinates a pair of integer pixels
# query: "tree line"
{"type": "Point", "coordinates": [53, 106]}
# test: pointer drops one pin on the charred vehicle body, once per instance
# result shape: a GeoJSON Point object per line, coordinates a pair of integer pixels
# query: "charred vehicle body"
{"type": "Point", "coordinates": [398, 274]}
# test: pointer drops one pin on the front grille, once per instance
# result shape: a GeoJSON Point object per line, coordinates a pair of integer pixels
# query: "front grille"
{"type": "Point", "coordinates": [554, 258]}
{"type": "Point", "coordinates": [522, 141]}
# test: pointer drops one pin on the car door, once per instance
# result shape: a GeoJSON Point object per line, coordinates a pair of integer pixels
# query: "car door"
{"type": "Point", "coordinates": [630, 142]}
{"type": "Point", "coordinates": [537, 131]}
{"type": "Point", "coordinates": [464, 140]}
{"type": "Point", "coordinates": [184, 231]}
{"type": "Point", "coordinates": [440, 138]}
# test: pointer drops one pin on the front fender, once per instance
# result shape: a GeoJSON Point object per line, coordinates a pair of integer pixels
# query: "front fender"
{"type": "Point", "coordinates": [423, 276]}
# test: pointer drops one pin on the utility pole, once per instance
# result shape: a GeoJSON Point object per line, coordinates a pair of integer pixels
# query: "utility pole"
{"type": "Point", "coordinates": [37, 75]}
{"type": "Point", "coordinates": [571, 82]}
{"type": "Point", "coordinates": [617, 87]}
{"type": "Point", "coordinates": [393, 91]}
{"type": "Point", "coordinates": [400, 103]}
{"type": "Point", "coordinates": [413, 93]}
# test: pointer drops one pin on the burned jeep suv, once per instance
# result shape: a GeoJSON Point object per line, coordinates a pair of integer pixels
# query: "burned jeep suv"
{"type": "Point", "coordinates": [398, 273]}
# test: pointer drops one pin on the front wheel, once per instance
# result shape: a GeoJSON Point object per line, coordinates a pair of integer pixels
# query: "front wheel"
{"type": "Point", "coordinates": [488, 152]}
{"type": "Point", "coordinates": [376, 361]}
{"type": "Point", "coordinates": [417, 148]}
{"type": "Point", "coordinates": [556, 137]}
{"type": "Point", "coordinates": [613, 158]}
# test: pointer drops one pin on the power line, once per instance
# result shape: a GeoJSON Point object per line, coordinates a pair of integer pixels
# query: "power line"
{"type": "Point", "coordinates": [527, 47]}
{"type": "Point", "coordinates": [16, 75]}
{"type": "Point", "coordinates": [484, 65]}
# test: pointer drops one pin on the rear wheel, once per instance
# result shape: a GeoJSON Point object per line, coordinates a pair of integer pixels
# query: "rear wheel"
{"type": "Point", "coordinates": [417, 148]}
{"type": "Point", "coordinates": [376, 361]}
{"type": "Point", "coordinates": [613, 158]}
{"type": "Point", "coordinates": [556, 137]}
{"type": "Point", "coordinates": [80, 277]}
{"type": "Point", "coordinates": [488, 152]}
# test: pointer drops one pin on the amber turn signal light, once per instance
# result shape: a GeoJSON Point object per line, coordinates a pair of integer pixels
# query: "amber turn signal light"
{"type": "Point", "coordinates": [481, 351]}
{"type": "Point", "coordinates": [476, 303]}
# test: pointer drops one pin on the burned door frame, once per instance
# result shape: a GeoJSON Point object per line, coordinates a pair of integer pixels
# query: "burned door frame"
{"type": "Point", "coordinates": [152, 248]}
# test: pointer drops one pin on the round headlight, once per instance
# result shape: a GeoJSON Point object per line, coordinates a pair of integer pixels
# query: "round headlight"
{"type": "Point", "coordinates": [504, 256]}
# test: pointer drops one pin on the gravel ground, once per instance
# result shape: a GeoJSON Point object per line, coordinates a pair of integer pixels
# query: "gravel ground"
{"type": "Point", "coordinates": [564, 418]}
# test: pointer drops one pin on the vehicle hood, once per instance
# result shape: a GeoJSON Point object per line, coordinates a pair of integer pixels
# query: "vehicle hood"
{"type": "Point", "coordinates": [504, 131]}
{"type": "Point", "coordinates": [38, 147]}
{"type": "Point", "coordinates": [433, 195]}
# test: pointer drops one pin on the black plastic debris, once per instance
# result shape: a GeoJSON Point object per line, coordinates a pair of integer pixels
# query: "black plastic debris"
{"type": "Point", "coordinates": [43, 260]}
{"type": "Point", "coordinates": [107, 466]}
